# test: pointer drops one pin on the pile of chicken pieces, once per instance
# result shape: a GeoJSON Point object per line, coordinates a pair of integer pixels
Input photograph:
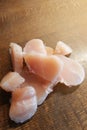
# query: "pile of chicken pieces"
{"type": "Point", "coordinates": [37, 68]}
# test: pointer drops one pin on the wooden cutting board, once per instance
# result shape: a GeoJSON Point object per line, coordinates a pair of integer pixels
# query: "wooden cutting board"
{"type": "Point", "coordinates": [50, 20]}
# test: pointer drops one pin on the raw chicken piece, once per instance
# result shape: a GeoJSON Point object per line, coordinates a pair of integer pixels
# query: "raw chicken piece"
{"type": "Point", "coordinates": [11, 81]}
{"type": "Point", "coordinates": [16, 57]}
{"type": "Point", "coordinates": [62, 48]}
{"type": "Point", "coordinates": [35, 45]}
{"type": "Point", "coordinates": [42, 86]}
{"type": "Point", "coordinates": [47, 67]}
{"type": "Point", "coordinates": [49, 50]}
{"type": "Point", "coordinates": [23, 104]}
{"type": "Point", "coordinates": [73, 73]}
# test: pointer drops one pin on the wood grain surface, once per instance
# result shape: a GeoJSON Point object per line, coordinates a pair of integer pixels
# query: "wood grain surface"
{"type": "Point", "coordinates": [50, 20]}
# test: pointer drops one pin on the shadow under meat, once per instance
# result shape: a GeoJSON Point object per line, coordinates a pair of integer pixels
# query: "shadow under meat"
{"type": "Point", "coordinates": [63, 89]}
{"type": "Point", "coordinates": [12, 124]}
{"type": "Point", "coordinates": [6, 96]}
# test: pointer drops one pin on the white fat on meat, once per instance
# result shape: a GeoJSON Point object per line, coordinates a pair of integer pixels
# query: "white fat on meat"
{"type": "Point", "coordinates": [16, 57]}
{"type": "Point", "coordinates": [11, 81]}
{"type": "Point", "coordinates": [23, 104]}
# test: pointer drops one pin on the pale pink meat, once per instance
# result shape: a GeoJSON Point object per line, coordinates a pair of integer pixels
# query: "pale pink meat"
{"type": "Point", "coordinates": [35, 45]}
{"type": "Point", "coordinates": [73, 73]}
{"type": "Point", "coordinates": [62, 48]}
{"type": "Point", "coordinates": [11, 81]}
{"type": "Point", "coordinates": [16, 57]}
{"type": "Point", "coordinates": [47, 67]}
{"type": "Point", "coordinates": [41, 86]}
{"type": "Point", "coordinates": [49, 50]}
{"type": "Point", "coordinates": [23, 104]}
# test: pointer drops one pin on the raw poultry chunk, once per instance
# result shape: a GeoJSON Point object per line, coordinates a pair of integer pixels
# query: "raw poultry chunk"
{"type": "Point", "coordinates": [41, 86]}
{"type": "Point", "coordinates": [35, 45]}
{"type": "Point", "coordinates": [73, 73]}
{"type": "Point", "coordinates": [16, 57]}
{"type": "Point", "coordinates": [62, 48]}
{"type": "Point", "coordinates": [23, 104]}
{"type": "Point", "coordinates": [47, 67]}
{"type": "Point", "coordinates": [49, 50]}
{"type": "Point", "coordinates": [11, 81]}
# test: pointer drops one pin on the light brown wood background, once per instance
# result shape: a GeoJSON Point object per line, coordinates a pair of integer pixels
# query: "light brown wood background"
{"type": "Point", "coordinates": [50, 20]}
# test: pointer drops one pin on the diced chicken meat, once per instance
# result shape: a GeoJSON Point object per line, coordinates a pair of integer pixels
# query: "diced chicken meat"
{"type": "Point", "coordinates": [49, 50]}
{"type": "Point", "coordinates": [73, 73]}
{"type": "Point", "coordinates": [62, 48]}
{"type": "Point", "coordinates": [47, 67]}
{"type": "Point", "coordinates": [16, 57]}
{"type": "Point", "coordinates": [35, 45]}
{"type": "Point", "coordinates": [23, 104]}
{"type": "Point", "coordinates": [11, 81]}
{"type": "Point", "coordinates": [41, 86]}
